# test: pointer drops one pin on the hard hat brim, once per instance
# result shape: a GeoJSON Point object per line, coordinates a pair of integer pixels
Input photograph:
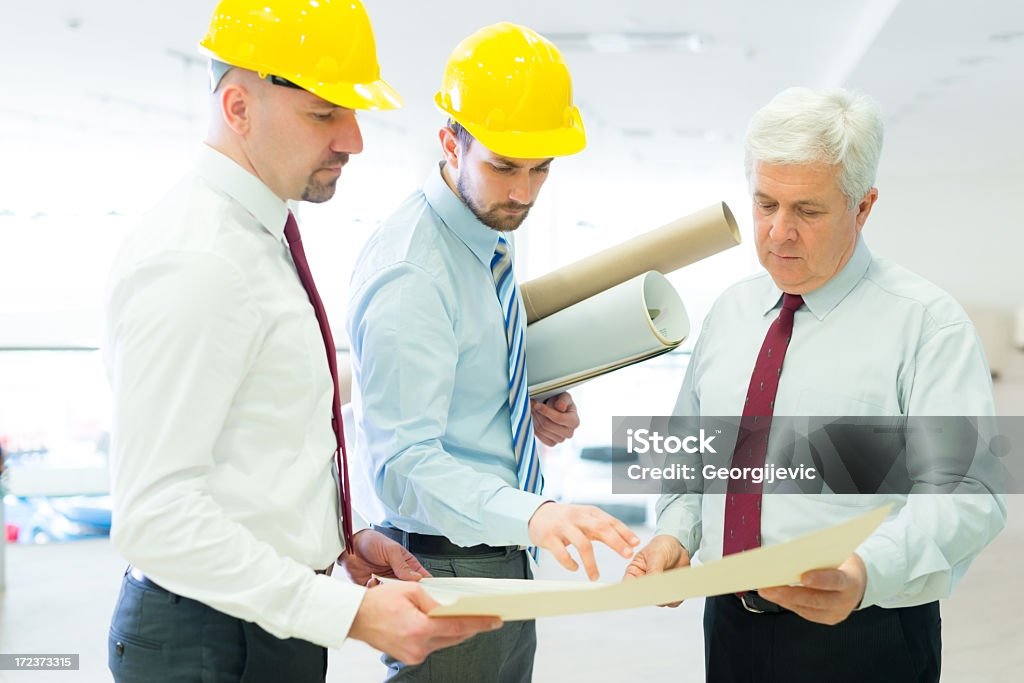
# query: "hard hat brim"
{"type": "Point", "coordinates": [543, 144]}
{"type": "Point", "coordinates": [376, 95]}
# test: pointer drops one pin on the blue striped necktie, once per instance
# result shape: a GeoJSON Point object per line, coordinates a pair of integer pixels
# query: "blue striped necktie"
{"type": "Point", "coordinates": [523, 442]}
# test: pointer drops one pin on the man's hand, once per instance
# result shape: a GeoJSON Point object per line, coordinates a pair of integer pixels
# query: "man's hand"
{"type": "Point", "coordinates": [826, 596]}
{"type": "Point", "coordinates": [374, 553]}
{"type": "Point", "coordinates": [662, 553]}
{"type": "Point", "coordinates": [393, 618]}
{"type": "Point", "coordinates": [555, 419]}
{"type": "Point", "coordinates": [557, 525]}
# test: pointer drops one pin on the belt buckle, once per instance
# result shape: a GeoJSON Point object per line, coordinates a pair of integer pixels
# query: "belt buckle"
{"type": "Point", "coordinates": [749, 605]}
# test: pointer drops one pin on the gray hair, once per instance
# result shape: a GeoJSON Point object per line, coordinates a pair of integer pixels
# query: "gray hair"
{"type": "Point", "coordinates": [835, 126]}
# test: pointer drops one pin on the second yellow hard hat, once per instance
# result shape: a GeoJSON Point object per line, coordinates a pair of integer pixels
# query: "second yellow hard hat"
{"type": "Point", "coordinates": [510, 88]}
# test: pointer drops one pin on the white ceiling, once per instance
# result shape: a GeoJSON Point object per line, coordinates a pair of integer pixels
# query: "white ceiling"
{"type": "Point", "coordinates": [947, 74]}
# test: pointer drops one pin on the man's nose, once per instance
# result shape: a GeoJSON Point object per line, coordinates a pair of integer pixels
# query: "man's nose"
{"type": "Point", "coordinates": [783, 226]}
{"type": "Point", "coordinates": [521, 190]}
{"type": "Point", "coordinates": [347, 135]}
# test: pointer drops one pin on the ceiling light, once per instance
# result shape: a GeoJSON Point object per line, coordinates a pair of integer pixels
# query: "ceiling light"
{"type": "Point", "coordinates": [618, 42]}
{"type": "Point", "coordinates": [975, 60]}
{"type": "Point", "coordinates": [1007, 36]}
{"type": "Point", "coordinates": [610, 43]}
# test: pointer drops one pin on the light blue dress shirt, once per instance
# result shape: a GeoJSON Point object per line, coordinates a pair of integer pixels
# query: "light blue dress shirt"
{"type": "Point", "coordinates": [875, 340]}
{"type": "Point", "coordinates": [430, 375]}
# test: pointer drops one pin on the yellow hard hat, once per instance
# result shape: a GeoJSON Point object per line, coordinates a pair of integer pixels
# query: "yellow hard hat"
{"type": "Point", "coordinates": [510, 88]}
{"type": "Point", "coordinates": [323, 46]}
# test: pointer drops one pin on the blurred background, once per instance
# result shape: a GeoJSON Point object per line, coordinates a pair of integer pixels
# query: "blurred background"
{"type": "Point", "coordinates": [103, 106]}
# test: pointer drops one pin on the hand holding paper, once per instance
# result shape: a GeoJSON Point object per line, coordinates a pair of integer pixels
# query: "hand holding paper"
{"type": "Point", "coordinates": [393, 618]}
{"type": "Point", "coordinates": [662, 553]}
{"type": "Point", "coordinates": [825, 596]}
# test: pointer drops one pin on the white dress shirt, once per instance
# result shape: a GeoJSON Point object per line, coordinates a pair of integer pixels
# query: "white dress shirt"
{"type": "Point", "coordinates": [875, 340]}
{"type": "Point", "coordinates": [430, 370]}
{"type": "Point", "coordinates": [221, 465]}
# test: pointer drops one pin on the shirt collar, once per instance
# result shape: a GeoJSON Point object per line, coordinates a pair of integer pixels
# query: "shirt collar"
{"type": "Point", "coordinates": [480, 239]}
{"type": "Point", "coordinates": [225, 174]}
{"type": "Point", "coordinates": [821, 301]}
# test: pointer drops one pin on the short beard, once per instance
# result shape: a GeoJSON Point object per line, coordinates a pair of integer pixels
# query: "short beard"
{"type": "Point", "coordinates": [317, 192]}
{"type": "Point", "coordinates": [492, 219]}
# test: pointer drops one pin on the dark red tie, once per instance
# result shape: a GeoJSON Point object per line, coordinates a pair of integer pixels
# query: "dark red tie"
{"type": "Point", "coordinates": [743, 497]}
{"type": "Point", "coordinates": [291, 233]}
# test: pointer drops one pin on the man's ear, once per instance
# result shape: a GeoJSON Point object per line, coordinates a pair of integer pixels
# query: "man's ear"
{"type": "Point", "coordinates": [865, 206]}
{"type": "Point", "coordinates": [449, 147]}
{"type": "Point", "coordinates": [236, 108]}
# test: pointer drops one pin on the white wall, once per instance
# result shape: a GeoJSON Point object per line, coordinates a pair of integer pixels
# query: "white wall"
{"type": "Point", "coordinates": [962, 231]}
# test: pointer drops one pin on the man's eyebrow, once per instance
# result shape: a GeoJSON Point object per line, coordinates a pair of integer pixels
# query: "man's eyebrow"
{"type": "Point", "coordinates": [316, 102]}
{"type": "Point", "coordinates": [800, 202]}
{"type": "Point", "coordinates": [505, 161]}
{"type": "Point", "coordinates": [814, 203]}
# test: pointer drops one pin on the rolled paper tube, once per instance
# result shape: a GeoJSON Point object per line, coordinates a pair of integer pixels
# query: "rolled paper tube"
{"type": "Point", "coordinates": [1018, 334]}
{"type": "Point", "coordinates": [670, 247]}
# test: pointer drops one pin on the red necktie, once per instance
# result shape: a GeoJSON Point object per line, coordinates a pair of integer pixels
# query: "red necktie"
{"type": "Point", "coordinates": [743, 497]}
{"type": "Point", "coordinates": [291, 233]}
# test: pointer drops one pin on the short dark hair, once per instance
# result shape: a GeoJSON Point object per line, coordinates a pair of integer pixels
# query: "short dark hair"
{"type": "Point", "coordinates": [464, 137]}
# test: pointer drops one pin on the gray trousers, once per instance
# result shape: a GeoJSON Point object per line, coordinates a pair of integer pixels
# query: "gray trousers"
{"type": "Point", "coordinates": [159, 637]}
{"type": "Point", "coordinates": [502, 656]}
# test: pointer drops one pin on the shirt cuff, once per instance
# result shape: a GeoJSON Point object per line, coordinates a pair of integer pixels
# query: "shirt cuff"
{"type": "Point", "coordinates": [328, 611]}
{"type": "Point", "coordinates": [507, 516]}
{"type": "Point", "coordinates": [885, 562]}
{"type": "Point", "coordinates": [674, 521]}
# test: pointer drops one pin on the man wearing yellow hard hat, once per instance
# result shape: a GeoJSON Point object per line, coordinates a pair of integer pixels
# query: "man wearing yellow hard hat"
{"type": "Point", "coordinates": [436, 323]}
{"type": "Point", "coordinates": [229, 482]}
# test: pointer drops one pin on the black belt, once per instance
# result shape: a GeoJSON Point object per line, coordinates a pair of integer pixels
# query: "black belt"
{"type": "Point", "coordinates": [753, 602]}
{"type": "Point", "coordinates": [425, 544]}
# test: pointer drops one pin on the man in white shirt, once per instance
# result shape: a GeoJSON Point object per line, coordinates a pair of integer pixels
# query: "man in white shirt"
{"type": "Point", "coordinates": [844, 334]}
{"type": "Point", "coordinates": [226, 501]}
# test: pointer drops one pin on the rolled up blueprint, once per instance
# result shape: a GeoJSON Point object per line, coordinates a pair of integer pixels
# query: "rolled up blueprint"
{"type": "Point", "coordinates": [633, 321]}
{"type": "Point", "coordinates": [665, 249]}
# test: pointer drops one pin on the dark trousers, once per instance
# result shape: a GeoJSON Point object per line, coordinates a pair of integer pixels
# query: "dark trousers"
{"type": "Point", "coordinates": [502, 656]}
{"type": "Point", "coordinates": [160, 637]}
{"type": "Point", "coordinates": [902, 645]}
